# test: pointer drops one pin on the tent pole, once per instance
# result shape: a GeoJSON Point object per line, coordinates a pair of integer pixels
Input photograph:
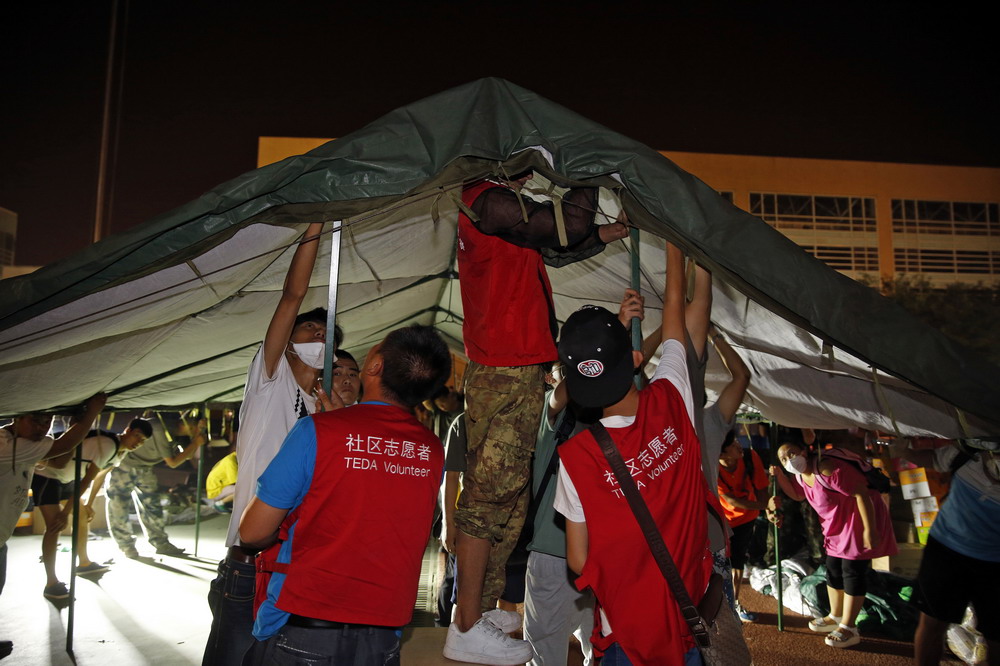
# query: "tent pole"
{"type": "Point", "coordinates": [73, 551]}
{"type": "Point", "coordinates": [636, 323]}
{"type": "Point", "coordinates": [777, 562]}
{"type": "Point", "coordinates": [200, 484]}
{"type": "Point", "coordinates": [331, 306]}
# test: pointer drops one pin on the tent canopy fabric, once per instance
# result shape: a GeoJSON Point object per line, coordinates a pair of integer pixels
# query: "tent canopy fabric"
{"type": "Point", "coordinates": [171, 312]}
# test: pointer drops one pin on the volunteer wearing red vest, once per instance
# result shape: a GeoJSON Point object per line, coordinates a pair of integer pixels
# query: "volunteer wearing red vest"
{"type": "Point", "coordinates": [743, 494]}
{"type": "Point", "coordinates": [509, 331]}
{"type": "Point", "coordinates": [362, 483]}
{"type": "Point", "coordinates": [639, 619]}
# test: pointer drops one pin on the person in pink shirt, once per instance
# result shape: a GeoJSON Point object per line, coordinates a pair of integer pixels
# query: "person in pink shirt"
{"type": "Point", "coordinates": [856, 529]}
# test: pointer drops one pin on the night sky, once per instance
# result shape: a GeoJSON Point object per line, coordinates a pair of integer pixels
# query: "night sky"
{"type": "Point", "coordinates": [202, 80]}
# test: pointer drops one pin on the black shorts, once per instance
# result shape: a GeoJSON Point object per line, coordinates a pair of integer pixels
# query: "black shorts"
{"type": "Point", "coordinates": [49, 491]}
{"type": "Point", "coordinates": [949, 581]}
{"type": "Point", "coordinates": [739, 543]}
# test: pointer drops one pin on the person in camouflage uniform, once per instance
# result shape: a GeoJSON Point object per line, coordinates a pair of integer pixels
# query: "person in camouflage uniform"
{"type": "Point", "coordinates": [135, 473]}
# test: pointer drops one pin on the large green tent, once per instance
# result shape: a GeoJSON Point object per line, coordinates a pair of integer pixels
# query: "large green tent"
{"type": "Point", "coordinates": [171, 312]}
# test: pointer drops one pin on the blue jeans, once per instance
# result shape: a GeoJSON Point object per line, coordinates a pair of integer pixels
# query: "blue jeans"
{"type": "Point", "coordinates": [351, 644]}
{"type": "Point", "coordinates": [230, 597]}
{"type": "Point", "coordinates": [615, 656]}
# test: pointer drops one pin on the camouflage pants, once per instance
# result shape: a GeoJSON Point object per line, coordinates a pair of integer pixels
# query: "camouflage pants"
{"type": "Point", "coordinates": [122, 481]}
{"type": "Point", "coordinates": [501, 418]}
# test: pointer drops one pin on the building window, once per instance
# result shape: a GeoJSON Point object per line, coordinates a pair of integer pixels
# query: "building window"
{"type": "Point", "coordinates": [960, 218]}
{"type": "Point", "coordinates": [839, 231]}
{"type": "Point", "coordinates": [6, 249]}
{"type": "Point", "coordinates": [923, 260]}
{"type": "Point", "coordinates": [799, 211]}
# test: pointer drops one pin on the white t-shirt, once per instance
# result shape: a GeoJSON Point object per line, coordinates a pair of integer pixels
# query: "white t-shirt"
{"type": "Point", "coordinates": [17, 465]}
{"type": "Point", "coordinates": [99, 450]}
{"type": "Point", "coordinates": [271, 406]}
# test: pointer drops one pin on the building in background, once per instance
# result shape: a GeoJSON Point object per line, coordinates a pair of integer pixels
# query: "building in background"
{"type": "Point", "coordinates": [8, 241]}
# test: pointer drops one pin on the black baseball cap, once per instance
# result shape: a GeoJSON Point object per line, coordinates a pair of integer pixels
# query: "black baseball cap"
{"type": "Point", "coordinates": [596, 352]}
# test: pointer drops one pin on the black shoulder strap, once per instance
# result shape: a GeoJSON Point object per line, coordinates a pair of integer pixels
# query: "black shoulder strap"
{"type": "Point", "coordinates": [653, 537]}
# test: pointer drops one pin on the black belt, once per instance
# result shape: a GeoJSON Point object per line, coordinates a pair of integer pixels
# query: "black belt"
{"type": "Point", "coordinates": [316, 623]}
{"type": "Point", "coordinates": [238, 554]}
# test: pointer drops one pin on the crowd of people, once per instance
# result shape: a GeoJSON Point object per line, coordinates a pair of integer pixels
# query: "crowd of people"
{"type": "Point", "coordinates": [332, 496]}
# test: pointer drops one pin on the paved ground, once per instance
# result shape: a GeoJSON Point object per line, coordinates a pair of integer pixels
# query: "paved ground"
{"type": "Point", "coordinates": [153, 611]}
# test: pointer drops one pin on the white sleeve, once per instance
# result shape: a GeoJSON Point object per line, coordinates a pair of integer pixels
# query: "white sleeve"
{"type": "Point", "coordinates": [673, 368]}
{"type": "Point", "coordinates": [567, 501]}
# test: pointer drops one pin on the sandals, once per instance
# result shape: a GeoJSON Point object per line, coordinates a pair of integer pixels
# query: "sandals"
{"type": "Point", "coordinates": [843, 637]}
{"type": "Point", "coordinates": [824, 625]}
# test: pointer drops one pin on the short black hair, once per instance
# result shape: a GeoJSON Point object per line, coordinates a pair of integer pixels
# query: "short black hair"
{"type": "Point", "coordinates": [729, 439]}
{"type": "Point", "coordinates": [416, 364]}
{"type": "Point", "coordinates": [340, 353]}
{"type": "Point", "coordinates": [142, 425]}
{"type": "Point", "coordinates": [318, 315]}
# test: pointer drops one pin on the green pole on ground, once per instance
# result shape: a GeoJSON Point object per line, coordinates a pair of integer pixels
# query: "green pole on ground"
{"type": "Point", "coordinates": [777, 562]}
{"type": "Point", "coordinates": [199, 486]}
{"type": "Point", "coordinates": [636, 323]}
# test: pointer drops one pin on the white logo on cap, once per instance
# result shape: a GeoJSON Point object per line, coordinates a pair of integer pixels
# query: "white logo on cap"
{"type": "Point", "coordinates": [592, 368]}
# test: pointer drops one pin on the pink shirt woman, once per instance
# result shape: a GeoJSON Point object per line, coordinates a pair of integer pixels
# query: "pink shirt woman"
{"type": "Point", "coordinates": [833, 498]}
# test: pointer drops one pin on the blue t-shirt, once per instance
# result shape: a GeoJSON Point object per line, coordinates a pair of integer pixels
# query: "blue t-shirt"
{"type": "Point", "coordinates": [284, 485]}
{"type": "Point", "coordinates": [969, 520]}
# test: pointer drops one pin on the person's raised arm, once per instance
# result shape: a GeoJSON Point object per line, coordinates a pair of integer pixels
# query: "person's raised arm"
{"type": "Point", "coordinates": [279, 331]}
{"type": "Point", "coordinates": [197, 440]}
{"type": "Point", "coordinates": [732, 395]}
{"type": "Point", "coordinates": [699, 310]}
{"type": "Point", "coordinates": [78, 431]}
{"type": "Point", "coordinates": [673, 295]}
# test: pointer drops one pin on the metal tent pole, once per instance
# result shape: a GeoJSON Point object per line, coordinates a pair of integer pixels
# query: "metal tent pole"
{"type": "Point", "coordinates": [331, 306]}
{"type": "Point", "coordinates": [636, 323]}
{"type": "Point", "coordinates": [71, 614]}
{"type": "Point", "coordinates": [200, 483]}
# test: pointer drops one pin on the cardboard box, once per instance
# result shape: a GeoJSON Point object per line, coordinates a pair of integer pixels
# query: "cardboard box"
{"type": "Point", "coordinates": [906, 563]}
{"type": "Point", "coordinates": [925, 510]}
{"type": "Point", "coordinates": [922, 482]}
{"type": "Point", "coordinates": [914, 483]}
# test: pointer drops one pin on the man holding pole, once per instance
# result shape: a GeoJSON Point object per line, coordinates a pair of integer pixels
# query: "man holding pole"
{"type": "Point", "coordinates": [281, 387]}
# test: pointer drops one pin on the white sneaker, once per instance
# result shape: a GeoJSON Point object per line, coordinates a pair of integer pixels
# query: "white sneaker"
{"type": "Point", "coordinates": [485, 643]}
{"type": "Point", "coordinates": [507, 621]}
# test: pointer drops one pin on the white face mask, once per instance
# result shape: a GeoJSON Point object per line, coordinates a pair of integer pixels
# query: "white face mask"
{"type": "Point", "coordinates": [796, 465]}
{"type": "Point", "coordinates": [310, 353]}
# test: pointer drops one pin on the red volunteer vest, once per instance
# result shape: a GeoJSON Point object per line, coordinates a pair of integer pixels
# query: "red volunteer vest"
{"type": "Point", "coordinates": [364, 524]}
{"type": "Point", "coordinates": [663, 455]}
{"type": "Point", "coordinates": [505, 296]}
